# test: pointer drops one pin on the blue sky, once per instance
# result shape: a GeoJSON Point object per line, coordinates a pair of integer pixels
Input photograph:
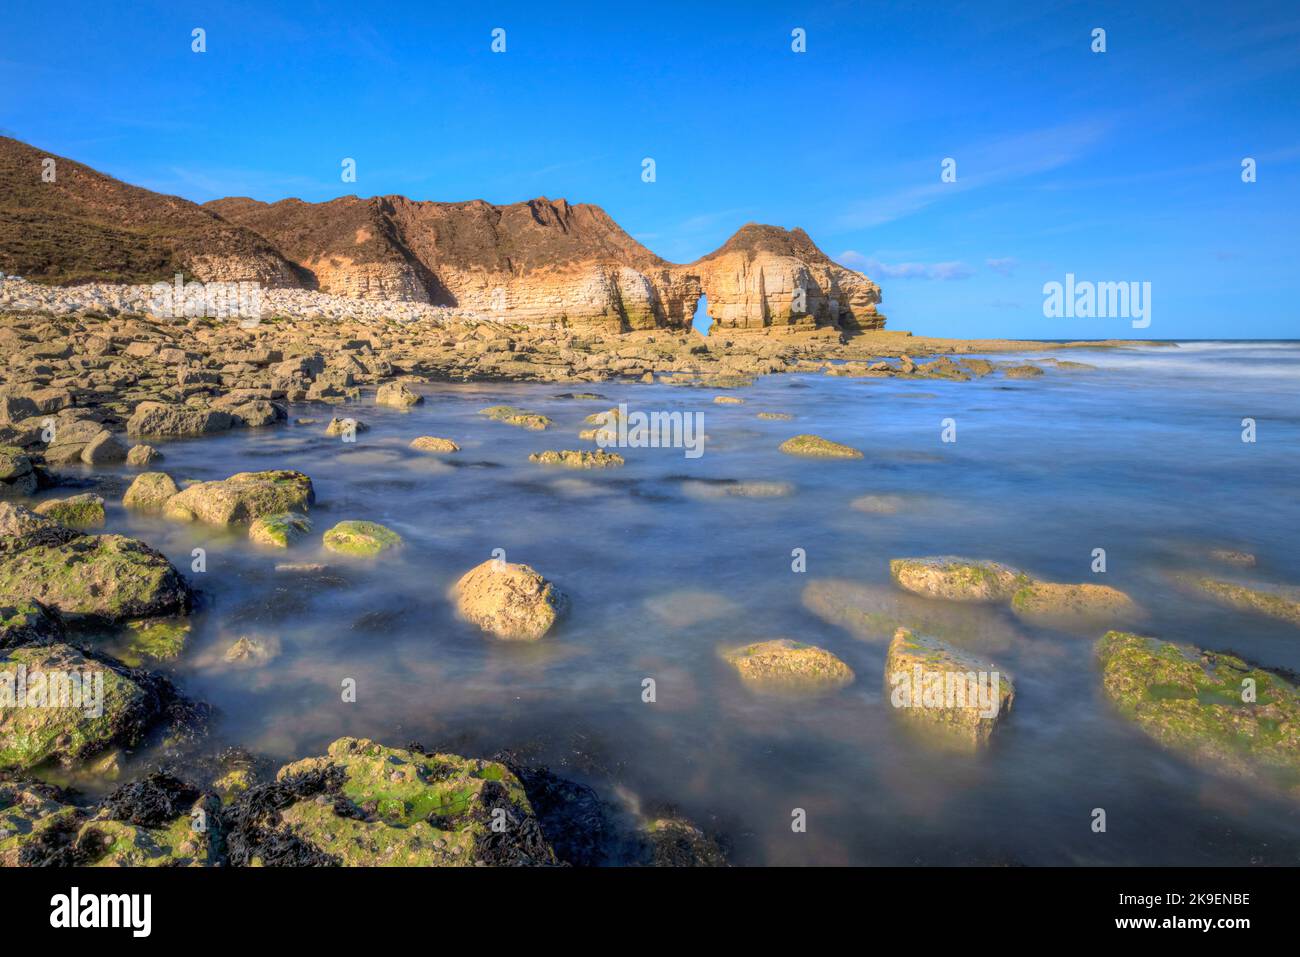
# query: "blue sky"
{"type": "Point", "coordinates": [1115, 166]}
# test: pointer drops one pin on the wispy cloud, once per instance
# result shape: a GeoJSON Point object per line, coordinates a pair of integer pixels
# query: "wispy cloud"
{"type": "Point", "coordinates": [978, 165]}
{"type": "Point", "coordinates": [1003, 266]}
{"type": "Point", "coordinates": [943, 271]}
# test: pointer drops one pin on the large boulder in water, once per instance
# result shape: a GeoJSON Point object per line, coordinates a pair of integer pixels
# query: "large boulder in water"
{"type": "Point", "coordinates": [161, 419]}
{"type": "Point", "coordinates": [785, 665]}
{"type": "Point", "coordinates": [957, 579]}
{"type": "Point", "coordinates": [1215, 709]}
{"type": "Point", "coordinates": [106, 578]}
{"type": "Point", "coordinates": [939, 688]}
{"type": "Point", "coordinates": [1082, 606]}
{"type": "Point", "coordinates": [242, 497]}
{"type": "Point", "coordinates": [366, 805]}
{"type": "Point", "coordinates": [508, 600]}
{"type": "Point", "coordinates": [150, 492]}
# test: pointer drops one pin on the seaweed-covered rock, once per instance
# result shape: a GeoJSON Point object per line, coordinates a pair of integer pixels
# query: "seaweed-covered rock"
{"type": "Point", "coordinates": [21, 529]}
{"type": "Point", "coordinates": [677, 842]}
{"type": "Point", "coordinates": [28, 622]}
{"type": "Point", "coordinates": [108, 578]}
{"type": "Point", "coordinates": [154, 639]}
{"type": "Point", "coordinates": [156, 822]}
{"type": "Point", "coordinates": [512, 416]}
{"type": "Point", "coordinates": [814, 446]}
{"type": "Point", "coordinates": [399, 395]}
{"type": "Point", "coordinates": [76, 511]}
{"type": "Point", "coordinates": [1281, 603]}
{"type": "Point", "coordinates": [57, 703]}
{"type": "Point", "coordinates": [1213, 708]}
{"type": "Point", "coordinates": [360, 538]}
{"type": "Point", "coordinates": [957, 579]}
{"type": "Point", "coordinates": [735, 488]}
{"type": "Point", "coordinates": [243, 497]}
{"type": "Point", "coordinates": [1066, 605]}
{"type": "Point", "coordinates": [572, 459]}
{"type": "Point", "coordinates": [508, 600]}
{"type": "Point", "coordinates": [279, 531]}
{"type": "Point", "coordinates": [432, 443]}
{"type": "Point", "coordinates": [365, 805]}
{"type": "Point", "coordinates": [785, 665]}
{"type": "Point", "coordinates": [936, 687]}
{"type": "Point", "coordinates": [150, 492]}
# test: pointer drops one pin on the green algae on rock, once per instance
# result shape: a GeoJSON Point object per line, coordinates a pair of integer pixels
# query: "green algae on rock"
{"type": "Point", "coordinates": [397, 807]}
{"type": "Point", "coordinates": [150, 492]}
{"type": "Point", "coordinates": [77, 511]}
{"type": "Point", "coordinates": [72, 706]}
{"type": "Point", "coordinates": [1065, 605]}
{"type": "Point", "coordinates": [21, 529]}
{"type": "Point", "coordinates": [28, 622]}
{"type": "Point", "coordinates": [360, 538]}
{"type": "Point", "coordinates": [107, 578]}
{"type": "Point", "coordinates": [155, 639]}
{"type": "Point", "coordinates": [957, 579]}
{"type": "Point", "coordinates": [577, 459]}
{"type": "Point", "coordinates": [1280, 603]}
{"type": "Point", "coordinates": [508, 600]}
{"type": "Point", "coordinates": [243, 497]}
{"type": "Point", "coordinates": [512, 416]}
{"type": "Point", "coordinates": [785, 665]}
{"type": "Point", "coordinates": [279, 531]}
{"type": "Point", "coordinates": [677, 842]}
{"type": "Point", "coordinates": [1213, 708]}
{"type": "Point", "coordinates": [814, 446]}
{"type": "Point", "coordinates": [939, 688]}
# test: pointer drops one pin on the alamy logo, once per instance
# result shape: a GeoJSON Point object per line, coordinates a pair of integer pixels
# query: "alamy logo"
{"type": "Point", "coordinates": [53, 689]}
{"type": "Point", "coordinates": [210, 300]}
{"type": "Point", "coordinates": [73, 910]}
{"type": "Point", "coordinates": [655, 430]}
{"type": "Point", "coordinates": [920, 688]}
{"type": "Point", "coordinates": [1098, 300]}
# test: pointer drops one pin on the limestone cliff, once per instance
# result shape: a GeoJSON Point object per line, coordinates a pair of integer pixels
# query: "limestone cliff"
{"type": "Point", "coordinates": [539, 261]}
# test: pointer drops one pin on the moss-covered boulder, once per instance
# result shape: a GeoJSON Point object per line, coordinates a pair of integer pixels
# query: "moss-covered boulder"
{"type": "Point", "coordinates": [76, 511]}
{"type": "Point", "coordinates": [432, 443]}
{"type": "Point", "coordinates": [360, 538]}
{"type": "Point", "coordinates": [508, 600]}
{"type": "Point", "coordinates": [243, 497]}
{"type": "Point", "coordinates": [32, 818]}
{"type": "Point", "coordinates": [107, 578]}
{"type": "Point", "coordinates": [957, 579]}
{"type": "Point", "coordinates": [55, 703]}
{"type": "Point", "coordinates": [512, 416]}
{"type": "Point", "coordinates": [576, 459]}
{"type": "Point", "coordinates": [150, 492]}
{"type": "Point", "coordinates": [1273, 601]}
{"type": "Point", "coordinates": [279, 531]}
{"type": "Point", "coordinates": [785, 665]}
{"type": "Point", "coordinates": [21, 529]}
{"type": "Point", "coordinates": [365, 805]}
{"type": "Point", "coordinates": [814, 446]}
{"type": "Point", "coordinates": [1214, 709]}
{"type": "Point", "coordinates": [28, 622]}
{"type": "Point", "coordinates": [1072, 605]}
{"type": "Point", "coordinates": [956, 698]}
{"type": "Point", "coordinates": [399, 395]}
{"type": "Point", "coordinates": [141, 455]}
